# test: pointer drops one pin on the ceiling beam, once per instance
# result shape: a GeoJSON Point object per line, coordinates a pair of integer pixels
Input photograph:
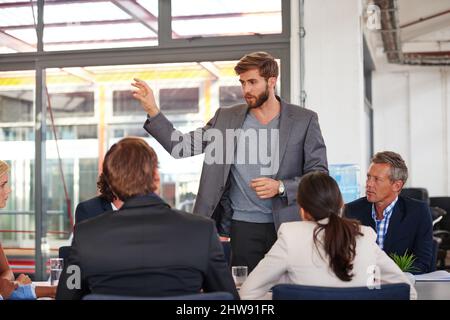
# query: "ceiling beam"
{"type": "Point", "coordinates": [47, 3]}
{"type": "Point", "coordinates": [80, 73]}
{"type": "Point", "coordinates": [426, 46]}
{"type": "Point", "coordinates": [211, 68]}
{"type": "Point", "coordinates": [69, 24]}
{"type": "Point", "coordinates": [136, 11]}
{"type": "Point", "coordinates": [14, 43]}
{"type": "Point", "coordinates": [425, 26]}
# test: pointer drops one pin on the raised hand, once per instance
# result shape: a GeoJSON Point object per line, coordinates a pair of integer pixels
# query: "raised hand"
{"type": "Point", "coordinates": [144, 94]}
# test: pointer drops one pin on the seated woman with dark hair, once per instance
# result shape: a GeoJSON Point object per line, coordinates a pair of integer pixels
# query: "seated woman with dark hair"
{"type": "Point", "coordinates": [20, 288]}
{"type": "Point", "coordinates": [324, 249]}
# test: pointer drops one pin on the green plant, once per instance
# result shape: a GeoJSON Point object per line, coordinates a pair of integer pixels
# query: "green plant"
{"type": "Point", "coordinates": [405, 261]}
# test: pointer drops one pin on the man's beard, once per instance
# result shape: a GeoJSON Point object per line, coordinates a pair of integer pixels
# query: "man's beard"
{"type": "Point", "coordinates": [263, 97]}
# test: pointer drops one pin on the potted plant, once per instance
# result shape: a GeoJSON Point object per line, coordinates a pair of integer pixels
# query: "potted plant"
{"type": "Point", "coordinates": [405, 263]}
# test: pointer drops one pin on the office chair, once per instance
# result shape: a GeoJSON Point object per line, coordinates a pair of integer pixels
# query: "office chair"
{"type": "Point", "coordinates": [420, 194]}
{"type": "Point", "coordinates": [397, 291]}
{"type": "Point", "coordinates": [442, 229]}
{"type": "Point", "coordinates": [220, 295]}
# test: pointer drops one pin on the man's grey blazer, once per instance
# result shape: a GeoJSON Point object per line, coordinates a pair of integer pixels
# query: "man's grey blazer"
{"type": "Point", "coordinates": [301, 150]}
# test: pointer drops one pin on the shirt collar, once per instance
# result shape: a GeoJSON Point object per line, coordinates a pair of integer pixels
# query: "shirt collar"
{"type": "Point", "coordinates": [387, 211]}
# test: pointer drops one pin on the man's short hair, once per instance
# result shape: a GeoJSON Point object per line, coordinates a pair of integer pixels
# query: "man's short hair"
{"type": "Point", "coordinates": [399, 170]}
{"type": "Point", "coordinates": [264, 62]}
{"type": "Point", "coordinates": [128, 170]}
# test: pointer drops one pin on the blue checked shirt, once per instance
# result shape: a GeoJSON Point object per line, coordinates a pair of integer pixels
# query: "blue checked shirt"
{"type": "Point", "coordinates": [382, 225]}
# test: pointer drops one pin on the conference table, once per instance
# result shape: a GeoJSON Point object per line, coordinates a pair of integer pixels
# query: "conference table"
{"type": "Point", "coordinates": [433, 290]}
{"type": "Point", "coordinates": [426, 290]}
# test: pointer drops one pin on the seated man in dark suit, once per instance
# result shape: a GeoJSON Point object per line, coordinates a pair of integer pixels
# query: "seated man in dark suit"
{"type": "Point", "coordinates": [402, 224]}
{"type": "Point", "coordinates": [145, 248]}
{"type": "Point", "coordinates": [93, 207]}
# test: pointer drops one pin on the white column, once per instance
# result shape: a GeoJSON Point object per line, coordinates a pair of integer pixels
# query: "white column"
{"type": "Point", "coordinates": [295, 52]}
{"type": "Point", "coordinates": [334, 78]}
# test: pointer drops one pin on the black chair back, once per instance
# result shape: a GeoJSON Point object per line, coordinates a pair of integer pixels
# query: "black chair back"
{"type": "Point", "coordinates": [219, 295]}
{"type": "Point", "coordinates": [397, 291]}
{"type": "Point", "coordinates": [420, 194]}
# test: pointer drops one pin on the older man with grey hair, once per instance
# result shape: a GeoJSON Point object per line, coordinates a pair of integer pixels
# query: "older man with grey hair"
{"type": "Point", "coordinates": [403, 225]}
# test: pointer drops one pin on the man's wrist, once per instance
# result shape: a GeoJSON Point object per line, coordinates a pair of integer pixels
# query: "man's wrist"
{"type": "Point", "coordinates": [281, 189]}
{"type": "Point", "coordinates": [153, 115]}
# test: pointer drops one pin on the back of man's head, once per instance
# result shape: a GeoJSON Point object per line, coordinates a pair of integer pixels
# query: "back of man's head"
{"type": "Point", "coordinates": [129, 168]}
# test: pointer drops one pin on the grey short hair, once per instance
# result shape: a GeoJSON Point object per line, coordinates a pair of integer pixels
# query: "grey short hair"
{"type": "Point", "coordinates": [399, 170]}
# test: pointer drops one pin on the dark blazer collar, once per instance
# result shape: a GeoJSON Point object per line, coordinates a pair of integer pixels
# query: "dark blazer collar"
{"type": "Point", "coordinates": [398, 214]}
{"type": "Point", "coordinates": [106, 205]}
{"type": "Point", "coordinates": [366, 219]}
{"type": "Point", "coordinates": [151, 199]}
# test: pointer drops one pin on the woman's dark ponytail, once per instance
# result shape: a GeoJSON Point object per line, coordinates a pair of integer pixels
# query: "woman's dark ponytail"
{"type": "Point", "coordinates": [319, 195]}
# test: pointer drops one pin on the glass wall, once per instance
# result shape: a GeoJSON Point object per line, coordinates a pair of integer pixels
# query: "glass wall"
{"type": "Point", "coordinates": [225, 18]}
{"type": "Point", "coordinates": [74, 25]}
{"type": "Point", "coordinates": [87, 90]}
{"type": "Point", "coordinates": [17, 219]}
{"type": "Point", "coordinates": [90, 116]}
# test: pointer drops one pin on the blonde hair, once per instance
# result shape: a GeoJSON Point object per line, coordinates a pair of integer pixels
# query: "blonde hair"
{"type": "Point", "coordinates": [4, 167]}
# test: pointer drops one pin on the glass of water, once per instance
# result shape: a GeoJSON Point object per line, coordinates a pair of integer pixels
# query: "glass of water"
{"type": "Point", "coordinates": [56, 267]}
{"type": "Point", "coordinates": [239, 274]}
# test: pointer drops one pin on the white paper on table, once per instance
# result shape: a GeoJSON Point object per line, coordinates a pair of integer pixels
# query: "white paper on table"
{"type": "Point", "coordinates": [440, 275]}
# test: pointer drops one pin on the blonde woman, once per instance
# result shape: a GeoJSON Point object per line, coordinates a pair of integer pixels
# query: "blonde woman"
{"type": "Point", "coordinates": [5, 190]}
{"type": "Point", "coordinates": [7, 281]}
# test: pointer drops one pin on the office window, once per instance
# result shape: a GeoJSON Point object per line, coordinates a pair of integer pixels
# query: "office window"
{"type": "Point", "coordinates": [73, 132]}
{"type": "Point", "coordinates": [72, 104]}
{"type": "Point", "coordinates": [17, 229]}
{"type": "Point", "coordinates": [88, 173]}
{"type": "Point", "coordinates": [125, 105]}
{"type": "Point", "coordinates": [230, 95]}
{"type": "Point", "coordinates": [16, 17]}
{"type": "Point", "coordinates": [16, 106]}
{"type": "Point", "coordinates": [74, 25]}
{"type": "Point", "coordinates": [122, 131]}
{"type": "Point", "coordinates": [225, 18]}
{"type": "Point", "coordinates": [179, 99]}
{"type": "Point", "coordinates": [16, 133]}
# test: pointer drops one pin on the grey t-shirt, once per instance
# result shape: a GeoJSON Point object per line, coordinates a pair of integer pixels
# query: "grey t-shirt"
{"type": "Point", "coordinates": [256, 145]}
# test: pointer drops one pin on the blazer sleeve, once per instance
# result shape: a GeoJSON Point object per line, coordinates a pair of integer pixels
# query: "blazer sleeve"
{"type": "Point", "coordinates": [72, 285]}
{"type": "Point", "coordinates": [179, 145]}
{"type": "Point", "coordinates": [423, 241]}
{"type": "Point", "coordinates": [389, 272]}
{"type": "Point", "coordinates": [315, 158]}
{"type": "Point", "coordinates": [269, 271]}
{"type": "Point", "coordinates": [218, 276]}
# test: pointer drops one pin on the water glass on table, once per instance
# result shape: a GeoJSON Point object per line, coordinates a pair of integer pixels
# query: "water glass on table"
{"type": "Point", "coordinates": [239, 275]}
{"type": "Point", "coordinates": [56, 267]}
